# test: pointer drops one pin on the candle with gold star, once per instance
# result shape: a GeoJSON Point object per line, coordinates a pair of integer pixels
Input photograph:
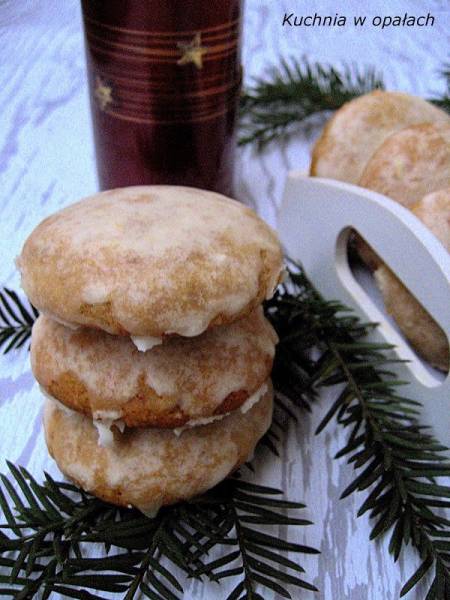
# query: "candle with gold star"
{"type": "Point", "coordinates": [164, 83]}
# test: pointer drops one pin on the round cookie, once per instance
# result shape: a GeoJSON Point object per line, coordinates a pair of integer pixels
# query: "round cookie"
{"type": "Point", "coordinates": [434, 212]}
{"type": "Point", "coordinates": [410, 164]}
{"type": "Point", "coordinates": [151, 261]}
{"type": "Point", "coordinates": [149, 468]}
{"type": "Point", "coordinates": [419, 328]}
{"type": "Point", "coordinates": [184, 379]}
{"type": "Point", "coordinates": [357, 129]}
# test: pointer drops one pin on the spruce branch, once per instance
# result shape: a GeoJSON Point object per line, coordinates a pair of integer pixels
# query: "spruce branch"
{"type": "Point", "coordinates": [295, 92]}
{"type": "Point", "coordinates": [16, 320]}
{"type": "Point", "coordinates": [52, 525]}
{"type": "Point", "coordinates": [402, 461]}
{"type": "Point", "coordinates": [443, 101]}
{"type": "Point", "coordinates": [399, 464]}
{"type": "Point", "coordinates": [256, 557]}
{"type": "Point", "coordinates": [297, 95]}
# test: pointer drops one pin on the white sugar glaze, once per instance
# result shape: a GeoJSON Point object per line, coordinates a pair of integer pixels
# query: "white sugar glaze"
{"type": "Point", "coordinates": [248, 404]}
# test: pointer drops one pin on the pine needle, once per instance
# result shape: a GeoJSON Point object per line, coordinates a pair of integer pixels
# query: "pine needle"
{"type": "Point", "coordinates": [444, 100]}
{"type": "Point", "coordinates": [296, 92]}
{"type": "Point", "coordinates": [16, 320]}
{"type": "Point", "coordinates": [52, 525]}
{"type": "Point", "coordinates": [298, 95]}
{"type": "Point", "coordinates": [395, 458]}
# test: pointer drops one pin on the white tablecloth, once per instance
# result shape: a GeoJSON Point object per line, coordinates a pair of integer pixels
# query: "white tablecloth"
{"type": "Point", "coordinates": [47, 162]}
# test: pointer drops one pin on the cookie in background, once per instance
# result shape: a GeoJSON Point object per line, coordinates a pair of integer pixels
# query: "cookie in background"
{"type": "Point", "coordinates": [398, 145]}
{"type": "Point", "coordinates": [408, 165]}
{"type": "Point", "coordinates": [358, 129]}
{"type": "Point", "coordinates": [427, 338]}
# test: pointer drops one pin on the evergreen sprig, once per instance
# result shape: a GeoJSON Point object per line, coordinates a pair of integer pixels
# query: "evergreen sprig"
{"type": "Point", "coordinates": [262, 556]}
{"type": "Point", "coordinates": [52, 528]}
{"type": "Point", "coordinates": [299, 94]}
{"type": "Point", "coordinates": [16, 320]}
{"type": "Point", "coordinates": [399, 466]}
{"type": "Point", "coordinates": [444, 100]}
{"type": "Point", "coordinates": [399, 463]}
{"type": "Point", "coordinates": [295, 92]}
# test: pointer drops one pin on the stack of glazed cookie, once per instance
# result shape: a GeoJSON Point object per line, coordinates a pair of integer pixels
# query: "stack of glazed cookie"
{"type": "Point", "coordinates": [152, 348]}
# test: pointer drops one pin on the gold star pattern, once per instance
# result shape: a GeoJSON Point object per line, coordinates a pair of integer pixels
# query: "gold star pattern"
{"type": "Point", "coordinates": [103, 93]}
{"type": "Point", "coordinates": [192, 52]}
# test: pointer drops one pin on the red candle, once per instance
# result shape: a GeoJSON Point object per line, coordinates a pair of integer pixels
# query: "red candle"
{"type": "Point", "coordinates": [164, 81]}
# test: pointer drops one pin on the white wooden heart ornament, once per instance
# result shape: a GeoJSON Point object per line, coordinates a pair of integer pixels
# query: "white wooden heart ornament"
{"type": "Point", "coordinates": [314, 222]}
